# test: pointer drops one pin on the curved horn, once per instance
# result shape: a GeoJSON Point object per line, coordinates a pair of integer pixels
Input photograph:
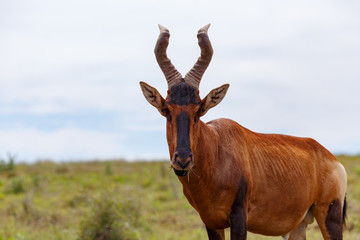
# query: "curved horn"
{"type": "Point", "coordinates": [171, 74]}
{"type": "Point", "coordinates": [193, 77]}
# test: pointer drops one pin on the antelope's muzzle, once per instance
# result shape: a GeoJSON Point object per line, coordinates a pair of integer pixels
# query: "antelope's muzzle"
{"type": "Point", "coordinates": [182, 163]}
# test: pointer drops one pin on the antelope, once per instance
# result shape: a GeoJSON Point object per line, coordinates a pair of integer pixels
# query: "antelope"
{"type": "Point", "coordinates": [269, 184]}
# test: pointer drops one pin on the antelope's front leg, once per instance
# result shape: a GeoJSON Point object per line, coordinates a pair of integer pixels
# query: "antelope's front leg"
{"type": "Point", "coordinates": [238, 214]}
{"type": "Point", "coordinates": [215, 234]}
{"type": "Point", "coordinates": [238, 224]}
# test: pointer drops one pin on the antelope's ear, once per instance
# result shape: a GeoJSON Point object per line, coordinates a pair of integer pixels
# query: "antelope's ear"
{"type": "Point", "coordinates": [213, 99]}
{"type": "Point", "coordinates": [153, 97]}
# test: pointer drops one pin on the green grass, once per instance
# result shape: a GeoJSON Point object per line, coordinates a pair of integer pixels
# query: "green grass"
{"type": "Point", "coordinates": [116, 200]}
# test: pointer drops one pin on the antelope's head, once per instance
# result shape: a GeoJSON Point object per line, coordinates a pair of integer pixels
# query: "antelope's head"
{"type": "Point", "coordinates": [183, 106]}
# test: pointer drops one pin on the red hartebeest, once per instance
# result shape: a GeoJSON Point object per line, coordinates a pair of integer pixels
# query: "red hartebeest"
{"type": "Point", "coordinates": [268, 184]}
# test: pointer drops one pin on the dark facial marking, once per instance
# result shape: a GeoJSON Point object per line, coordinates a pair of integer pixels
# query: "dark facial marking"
{"type": "Point", "coordinates": [184, 94]}
{"type": "Point", "coordinates": [238, 215]}
{"type": "Point", "coordinates": [183, 137]}
{"type": "Point", "coordinates": [212, 234]}
{"type": "Point", "coordinates": [334, 220]}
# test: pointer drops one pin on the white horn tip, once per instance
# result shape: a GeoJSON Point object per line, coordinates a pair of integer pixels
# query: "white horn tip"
{"type": "Point", "coordinates": [204, 29]}
{"type": "Point", "coordinates": [162, 28]}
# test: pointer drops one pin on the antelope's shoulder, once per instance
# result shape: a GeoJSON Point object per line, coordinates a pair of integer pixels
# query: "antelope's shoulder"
{"type": "Point", "coordinates": [225, 124]}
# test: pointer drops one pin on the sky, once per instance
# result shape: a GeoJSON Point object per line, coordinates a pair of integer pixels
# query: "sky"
{"type": "Point", "coordinates": [70, 72]}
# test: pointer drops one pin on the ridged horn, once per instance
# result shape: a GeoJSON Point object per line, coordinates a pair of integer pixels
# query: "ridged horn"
{"type": "Point", "coordinates": [193, 77]}
{"type": "Point", "coordinates": [171, 74]}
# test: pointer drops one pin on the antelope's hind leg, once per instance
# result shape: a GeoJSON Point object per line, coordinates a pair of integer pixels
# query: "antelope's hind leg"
{"type": "Point", "coordinates": [299, 233]}
{"type": "Point", "coordinates": [329, 217]}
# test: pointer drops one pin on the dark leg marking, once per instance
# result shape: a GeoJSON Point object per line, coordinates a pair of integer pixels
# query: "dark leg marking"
{"type": "Point", "coordinates": [212, 234]}
{"type": "Point", "coordinates": [238, 215]}
{"type": "Point", "coordinates": [334, 220]}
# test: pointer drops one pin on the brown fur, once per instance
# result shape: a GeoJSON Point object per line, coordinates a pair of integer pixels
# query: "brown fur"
{"type": "Point", "coordinates": [285, 175]}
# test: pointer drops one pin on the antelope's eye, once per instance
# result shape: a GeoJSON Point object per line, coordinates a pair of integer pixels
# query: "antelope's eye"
{"type": "Point", "coordinates": [196, 118]}
{"type": "Point", "coordinates": [167, 114]}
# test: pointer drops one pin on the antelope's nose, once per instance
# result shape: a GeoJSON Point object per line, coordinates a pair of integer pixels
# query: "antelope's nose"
{"type": "Point", "coordinates": [183, 160]}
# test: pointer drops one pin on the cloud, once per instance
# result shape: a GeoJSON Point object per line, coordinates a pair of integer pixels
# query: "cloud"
{"type": "Point", "coordinates": [292, 67]}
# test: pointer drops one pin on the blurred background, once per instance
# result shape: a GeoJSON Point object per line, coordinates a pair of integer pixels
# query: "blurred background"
{"type": "Point", "coordinates": [69, 72]}
{"type": "Point", "coordinates": [71, 108]}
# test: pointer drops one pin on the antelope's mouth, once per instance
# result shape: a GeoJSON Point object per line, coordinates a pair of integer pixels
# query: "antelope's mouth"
{"type": "Point", "coordinates": [180, 173]}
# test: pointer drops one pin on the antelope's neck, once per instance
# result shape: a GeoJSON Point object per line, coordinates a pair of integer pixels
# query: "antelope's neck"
{"type": "Point", "coordinates": [204, 186]}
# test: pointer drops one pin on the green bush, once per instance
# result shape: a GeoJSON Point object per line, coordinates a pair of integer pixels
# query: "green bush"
{"type": "Point", "coordinates": [112, 219]}
{"type": "Point", "coordinates": [7, 166]}
{"type": "Point", "coordinates": [16, 186]}
{"type": "Point", "coordinates": [36, 181]}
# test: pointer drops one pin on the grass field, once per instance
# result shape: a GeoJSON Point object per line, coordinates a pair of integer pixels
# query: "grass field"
{"type": "Point", "coordinates": [116, 200]}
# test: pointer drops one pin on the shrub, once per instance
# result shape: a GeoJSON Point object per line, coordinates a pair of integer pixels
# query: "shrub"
{"type": "Point", "coordinates": [16, 186]}
{"type": "Point", "coordinates": [36, 181]}
{"type": "Point", "coordinates": [112, 220]}
{"type": "Point", "coordinates": [7, 166]}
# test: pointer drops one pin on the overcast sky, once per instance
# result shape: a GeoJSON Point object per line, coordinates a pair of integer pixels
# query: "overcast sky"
{"type": "Point", "coordinates": [70, 72]}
